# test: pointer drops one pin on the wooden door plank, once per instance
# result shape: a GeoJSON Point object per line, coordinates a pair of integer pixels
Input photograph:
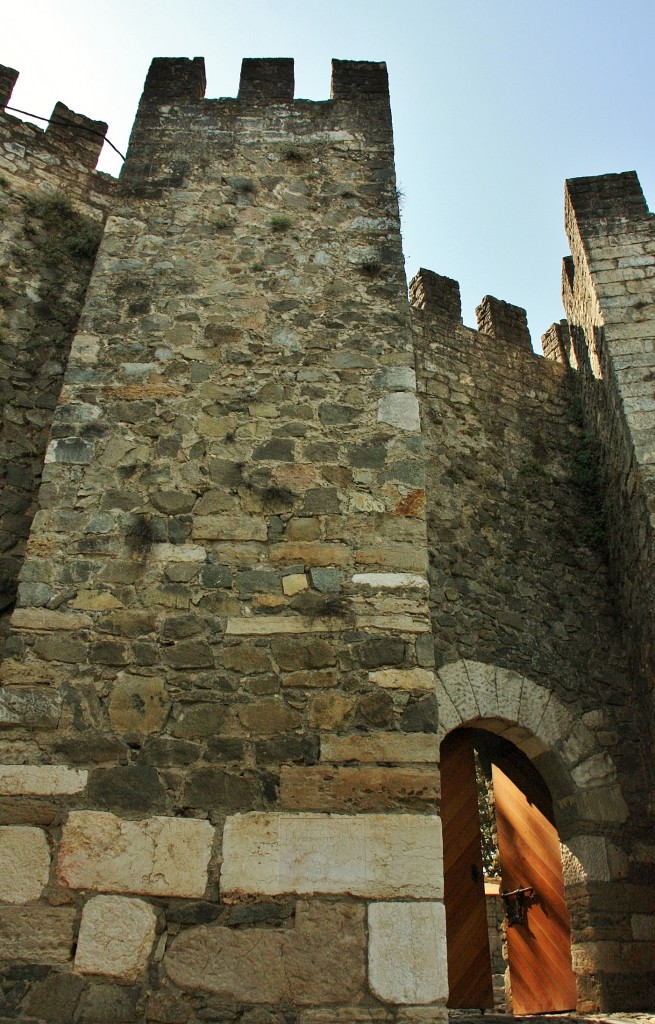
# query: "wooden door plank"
{"type": "Point", "coordinates": [539, 949]}
{"type": "Point", "coordinates": [469, 961]}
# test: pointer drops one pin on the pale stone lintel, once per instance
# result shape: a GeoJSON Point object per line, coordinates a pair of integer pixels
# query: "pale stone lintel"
{"type": "Point", "coordinates": [394, 623]}
{"type": "Point", "coordinates": [393, 580]}
{"type": "Point", "coordinates": [155, 856]}
{"type": "Point", "coordinates": [41, 780]}
{"type": "Point", "coordinates": [407, 952]}
{"type": "Point", "coordinates": [377, 856]}
{"type": "Point", "coordinates": [381, 748]}
{"type": "Point", "coordinates": [266, 625]}
{"type": "Point", "coordinates": [403, 679]}
{"type": "Point", "coordinates": [41, 618]}
{"type": "Point", "coordinates": [116, 937]}
{"type": "Point", "coordinates": [24, 863]}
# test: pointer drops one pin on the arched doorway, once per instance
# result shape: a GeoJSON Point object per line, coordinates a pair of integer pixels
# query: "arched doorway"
{"type": "Point", "coordinates": [537, 922]}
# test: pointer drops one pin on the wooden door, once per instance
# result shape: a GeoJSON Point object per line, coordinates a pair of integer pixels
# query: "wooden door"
{"type": "Point", "coordinates": [539, 948]}
{"type": "Point", "coordinates": [469, 963]}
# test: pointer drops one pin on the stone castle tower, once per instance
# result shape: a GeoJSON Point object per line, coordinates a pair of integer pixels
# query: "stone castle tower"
{"type": "Point", "coordinates": [292, 534]}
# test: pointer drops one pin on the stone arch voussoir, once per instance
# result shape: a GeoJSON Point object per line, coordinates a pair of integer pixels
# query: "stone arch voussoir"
{"type": "Point", "coordinates": [532, 717]}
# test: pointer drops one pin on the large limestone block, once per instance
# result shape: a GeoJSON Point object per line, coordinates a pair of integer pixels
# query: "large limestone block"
{"type": "Point", "coordinates": [41, 780]}
{"type": "Point", "coordinates": [407, 952]}
{"type": "Point", "coordinates": [36, 935]}
{"type": "Point", "coordinates": [155, 856]}
{"type": "Point", "coordinates": [116, 937]}
{"type": "Point", "coordinates": [320, 961]}
{"type": "Point", "coordinates": [24, 863]}
{"type": "Point", "coordinates": [378, 856]}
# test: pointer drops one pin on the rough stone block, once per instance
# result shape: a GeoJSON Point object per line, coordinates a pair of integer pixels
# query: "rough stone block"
{"type": "Point", "coordinates": [116, 937]}
{"type": "Point", "coordinates": [381, 747]}
{"type": "Point", "coordinates": [24, 863]}
{"type": "Point", "coordinates": [378, 856]}
{"type": "Point", "coordinates": [400, 409]}
{"type": "Point", "coordinates": [585, 857]}
{"type": "Point", "coordinates": [362, 789]}
{"type": "Point", "coordinates": [137, 704]}
{"type": "Point", "coordinates": [390, 580]}
{"type": "Point", "coordinates": [29, 707]}
{"type": "Point", "coordinates": [597, 770]}
{"type": "Point", "coordinates": [407, 952]}
{"type": "Point", "coordinates": [41, 780]}
{"type": "Point", "coordinates": [269, 625]}
{"type": "Point", "coordinates": [36, 935]}
{"type": "Point", "coordinates": [322, 960]}
{"type": "Point", "coordinates": [155, 856]}
{"type": "Point", "coordinates": [404, 679]}
{"type": "Point", "coordinates": [42, 619]}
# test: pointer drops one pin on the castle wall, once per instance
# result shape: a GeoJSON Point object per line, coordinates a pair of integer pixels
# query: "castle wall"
{"type": "Point", "coordinates": [519, 582]}
{"type": "Point", "coordinates": [52, 207]}
{"type": "Point", "coordinates": [228, 717]}
{"type": "Point", "coordinates": [291, 533]}
{"type": "Point", "coordinates": [607, 293]}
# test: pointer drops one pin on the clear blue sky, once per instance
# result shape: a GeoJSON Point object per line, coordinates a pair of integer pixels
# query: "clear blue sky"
{"type": "Point", "coordinates": [494, 104]}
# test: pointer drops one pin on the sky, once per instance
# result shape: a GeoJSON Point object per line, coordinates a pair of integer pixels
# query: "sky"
{"type": "Point", "coordinates": [494, 104]}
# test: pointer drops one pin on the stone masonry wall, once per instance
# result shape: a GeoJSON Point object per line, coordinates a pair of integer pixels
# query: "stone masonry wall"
{"type": "Point", "coordinates": [238, 640]}
{"type": "Point", "coordinates": [519, 581]}
{"type": "Point", "coordinates": [607, 291]}
{"type": "Point", "coordinates": [52, 208]}
{"type": "Point", "coordinates": [217, 704]}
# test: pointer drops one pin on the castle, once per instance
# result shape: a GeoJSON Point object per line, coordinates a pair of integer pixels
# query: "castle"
{"type": "Point", "coordinates": [281, 551]}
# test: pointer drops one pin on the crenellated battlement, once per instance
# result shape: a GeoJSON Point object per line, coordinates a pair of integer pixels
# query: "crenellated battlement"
{"type": "Point", "coordinates": [262, 80]}
{"type": "Point", "coordinates": [437, 295]}
{"type": "Point", "coordinates": [8, 79]}
{"type": "Point", "coordinates": [69, 135]}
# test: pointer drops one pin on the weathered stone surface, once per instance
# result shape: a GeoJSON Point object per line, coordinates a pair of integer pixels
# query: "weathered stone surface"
{"type": "Point", "coordinates": [585, 857]}
{"type": "Point", "coordinates": [390, 580]}
{"type": "Point", "coordinates": [116, 937]}
{"type": "Point", "coordinates": [58, 992]}
{"type": "Point", "coordinates": [29, 707]}
{"type": "Point", "coordinates": [156, 856]}
{"type": "Point", "coordinates": [36, 935]}
{"type": "Point", "coordinates": [268, 625]}
{"type": "Point", "coordinates": [229, 528]}
{"type": "Point", "coordinates": [41, 780]}
{"type": "Point", "coordinates": [400, 409]}
{"type": "Point", "coordinates": [130, 788]}
{"type": "Point", "coordinates": [295, 583]}
{"type": "Point", "coordinates": [322, 960]}
{"type": "Point", "coordinates": [357, 789]}
{"type": "Point", "coordinates": [407, 952]}
{"type": "Point", "coordinates": [42, 619]}
{"type": "Point", "coordinates": [375, 855]}
{"type": "Point", "coordinates": [138, 704]}
{"type": "Point", "coordinates": [380, 747]}
{"type": "Point", "coordinates": [597, 770]}
{"type": "Point", "coordinates": [105, 1003]}
{"type": "Point", "coordinates": [312, 653]}
{"type": "Point", "coordinates": [404, 679]}
{"type": "Point", "coordinates": [24, 863]}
